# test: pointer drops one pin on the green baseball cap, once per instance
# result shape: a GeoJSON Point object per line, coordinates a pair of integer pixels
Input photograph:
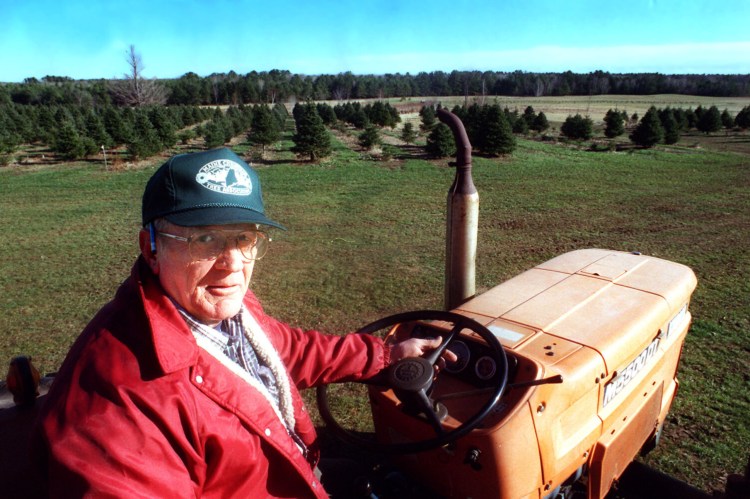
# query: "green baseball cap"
{"type": "Point", "coordinates": [213, 187]}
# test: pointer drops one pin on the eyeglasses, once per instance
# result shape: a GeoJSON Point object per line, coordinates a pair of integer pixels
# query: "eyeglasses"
{"type": "Point", "coordinates": [210, 244]}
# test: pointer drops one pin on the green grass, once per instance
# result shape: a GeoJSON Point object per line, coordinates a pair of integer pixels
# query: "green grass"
{"type": "Point", "coordinates": [366, 239]}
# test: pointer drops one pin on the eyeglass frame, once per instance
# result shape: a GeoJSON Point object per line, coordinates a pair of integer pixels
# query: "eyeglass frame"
{"type": "Point", "coordinates": [189, 239]}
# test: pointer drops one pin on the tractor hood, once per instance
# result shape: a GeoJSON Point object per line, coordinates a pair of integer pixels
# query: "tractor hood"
{"type": "Point", "coordinates": [612, 302]}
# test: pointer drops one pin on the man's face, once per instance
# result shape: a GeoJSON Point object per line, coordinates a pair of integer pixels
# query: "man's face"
{"type": "Point", "coordinates": [209, 290]}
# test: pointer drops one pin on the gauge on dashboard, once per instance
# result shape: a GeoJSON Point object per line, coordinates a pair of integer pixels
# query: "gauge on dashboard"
{"type": "Point", "coordinates": [485, 368]}
{"type": "Point", "coordinates": [462, 352]}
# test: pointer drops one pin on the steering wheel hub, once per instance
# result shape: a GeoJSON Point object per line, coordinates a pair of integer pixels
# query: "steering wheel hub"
{"type": "Point", "coordinates": [411, 373]}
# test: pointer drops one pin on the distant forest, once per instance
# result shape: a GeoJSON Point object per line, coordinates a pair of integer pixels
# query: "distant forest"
{"type": "Point", "coordinates": [282, 86]}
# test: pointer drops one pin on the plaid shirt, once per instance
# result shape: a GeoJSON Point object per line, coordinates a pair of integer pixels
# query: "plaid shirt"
{"type": "Point", "coordinates": [229, 337]}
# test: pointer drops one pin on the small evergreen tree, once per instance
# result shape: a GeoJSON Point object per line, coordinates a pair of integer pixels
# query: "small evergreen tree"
{"type": "Point", "coordinates": [625, 117]}
{"type": "Point", "coordinates": [497, 136]}
{"type": "Point", "coordinates": [529, 116]}
{"type": "Point", "coordinates": [408, 134]}
{"type": "Point", "coordinates": [358, 118]}
{"type": "Point", "coordinates": [395, 117]}
{"type": "Point", "coordinates": [370, 137]}
{"type": "Point", "coordinates": [472, 120]}
{"type": "Point", "coordinates": [96, 131]}
{"type": "Point", "coordinates": [614, 125]}
{"type": "Point", "coordinates": [9, 139]}
{"type": "Point", "coordinates": [511, 117]}
{"type": "Point", "coordinates": [521, 126]}
{"type": "Point", "coordinates": [326, 113]}
{"type": "Point", "coordinates": [298, 111]}
{"type": "Point", "coordinates": [429, 118]}
{"type": "Point", "coordinates": [681, 116]}
{"type": "Point", "coordinates": [45, 124]}
{"type": "Point", "coordinates": [145, 141]}
{"type": "Point", "coordinates": [710, 120]}
{"type": "Point", "coordinates": [341, 111]}
{"type": "Point", "coordinates": [312, 138]}
{"type": "Point", "coordinates": [540, 122]}
{"type": "Point", "coordinates": [742, 120]}
{"type": "Point", "coordinates": [214, 134]}
{"type": "Point", "coordinates": [265, 130]}
{"type": "Point", "coordinates": [578, 128]}
{"type": "Point", "coordinates": [20, 121]}
{"type": "Point", "coordinates": [185, 136]}
{"type": "Point", "coordinates": [68, 143]}
{"type": "Point", "coordinates": [670, 125]}
{"type": "Point", "coordinates": [117, 125]}
{"type": "Point", "coordinates": [726, 119]}
{"type": "Point", "coordinates": [692, 119]}
{"type": "Point", "coordinates": [281, 115]}
{"type": "Point", "coordinates": [699, 112]}
{"type": "Point", "coordinates": [649, 131]}
{"type": "Point", "coordinates": [440, 142]}
{"type": "Point", "coordinates": [378, 113]}
{"type": "Point", "coordinates": [164, 125]}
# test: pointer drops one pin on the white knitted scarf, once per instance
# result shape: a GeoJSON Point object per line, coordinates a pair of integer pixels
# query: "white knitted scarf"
{"type": "Point", "coordinates": [266, 354]}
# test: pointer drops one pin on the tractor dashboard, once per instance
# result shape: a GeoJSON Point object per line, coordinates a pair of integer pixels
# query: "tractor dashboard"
{"type": "Point", "coordinates": [475, 365]}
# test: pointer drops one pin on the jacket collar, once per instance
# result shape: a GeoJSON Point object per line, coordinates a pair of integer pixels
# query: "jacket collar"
{"type": "Point", "coordinates": [174, 345]}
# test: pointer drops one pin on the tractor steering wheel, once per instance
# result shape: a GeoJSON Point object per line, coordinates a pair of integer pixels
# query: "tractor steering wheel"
{"type": "Point", "coordinates": [411, 379]}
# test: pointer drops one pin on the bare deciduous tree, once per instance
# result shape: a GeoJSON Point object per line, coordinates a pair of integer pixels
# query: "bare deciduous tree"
{"type": "Point", "coordinates": [134, 89]}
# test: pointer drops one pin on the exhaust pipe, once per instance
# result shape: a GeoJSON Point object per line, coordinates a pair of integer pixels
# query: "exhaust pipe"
{"type": "Point", "coordinates": [462, 220]}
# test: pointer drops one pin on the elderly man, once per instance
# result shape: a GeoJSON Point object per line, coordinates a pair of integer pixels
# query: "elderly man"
{"type": "Point", "coordinates": [182, 386]}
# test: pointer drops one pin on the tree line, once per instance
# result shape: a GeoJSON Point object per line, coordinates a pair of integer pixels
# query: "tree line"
{"type": "Point", "coordinates": [275, 86]}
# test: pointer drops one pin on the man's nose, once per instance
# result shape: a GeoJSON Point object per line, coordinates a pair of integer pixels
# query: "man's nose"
{"type": "Point", "coordinates": [231, 257]}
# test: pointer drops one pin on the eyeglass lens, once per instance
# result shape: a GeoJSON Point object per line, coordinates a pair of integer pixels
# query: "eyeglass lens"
{"type": "Point", "coordinates": [208, 245]}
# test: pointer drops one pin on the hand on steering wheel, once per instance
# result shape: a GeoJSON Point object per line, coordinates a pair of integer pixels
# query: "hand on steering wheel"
{"type": "Point", "coordinates": [419, 347]}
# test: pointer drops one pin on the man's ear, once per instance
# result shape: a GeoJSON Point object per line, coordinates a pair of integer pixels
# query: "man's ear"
{"type": "Point", "coordinates": [148, 249]}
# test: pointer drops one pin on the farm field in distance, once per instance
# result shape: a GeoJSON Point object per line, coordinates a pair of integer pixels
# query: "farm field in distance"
{"type": "Point", "coordinates": [366, 239]}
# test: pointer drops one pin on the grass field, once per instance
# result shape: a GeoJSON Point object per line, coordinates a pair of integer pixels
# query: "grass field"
{"type": "Point", "coordinates": [366, 239]}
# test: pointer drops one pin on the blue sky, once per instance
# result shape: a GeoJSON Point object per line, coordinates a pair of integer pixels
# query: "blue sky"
{"type": "Point", "coordinates": [90, 38]}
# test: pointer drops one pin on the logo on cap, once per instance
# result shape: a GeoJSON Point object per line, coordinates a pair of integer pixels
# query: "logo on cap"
{"type": "Point", "coordinates": [225, 176]}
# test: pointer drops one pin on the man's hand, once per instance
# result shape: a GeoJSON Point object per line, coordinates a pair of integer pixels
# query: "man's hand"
{"type": "Point", "coordinates": [416, 347]}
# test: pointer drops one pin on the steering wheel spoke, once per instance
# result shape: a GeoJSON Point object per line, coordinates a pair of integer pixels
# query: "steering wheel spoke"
{"type": "Point", "coordinates": [434, 355]}
{"type": "Point", "coordinates": [428, 408]}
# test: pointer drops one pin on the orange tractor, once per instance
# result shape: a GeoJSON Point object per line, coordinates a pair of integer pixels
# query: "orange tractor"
{"type": "Point", "coordinates": [564, 372]}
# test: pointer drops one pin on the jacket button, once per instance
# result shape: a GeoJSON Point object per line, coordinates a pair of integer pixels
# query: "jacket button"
{"type": "Point", "coordinates": [199, 379]}
{"type": "Point", "coordinates": [268, 432]}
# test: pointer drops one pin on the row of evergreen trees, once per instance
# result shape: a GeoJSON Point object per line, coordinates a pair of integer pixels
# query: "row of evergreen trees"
{"type": "Point", "coordinates": [657, 125]}
{"type": "Point", "coordinates": [666, 125]}
{"type": "Point", "coordinates": [75, 132]}
{"type": "Point", "coordinates": [378, 113]}
{"type": "Point", "coordinates": [282, 86]}
{"type": "Point", "coordinates": [491, 130]}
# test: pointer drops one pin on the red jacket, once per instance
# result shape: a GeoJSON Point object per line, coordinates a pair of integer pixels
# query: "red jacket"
{"type": "Point", "coordinates": [139, 410]}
